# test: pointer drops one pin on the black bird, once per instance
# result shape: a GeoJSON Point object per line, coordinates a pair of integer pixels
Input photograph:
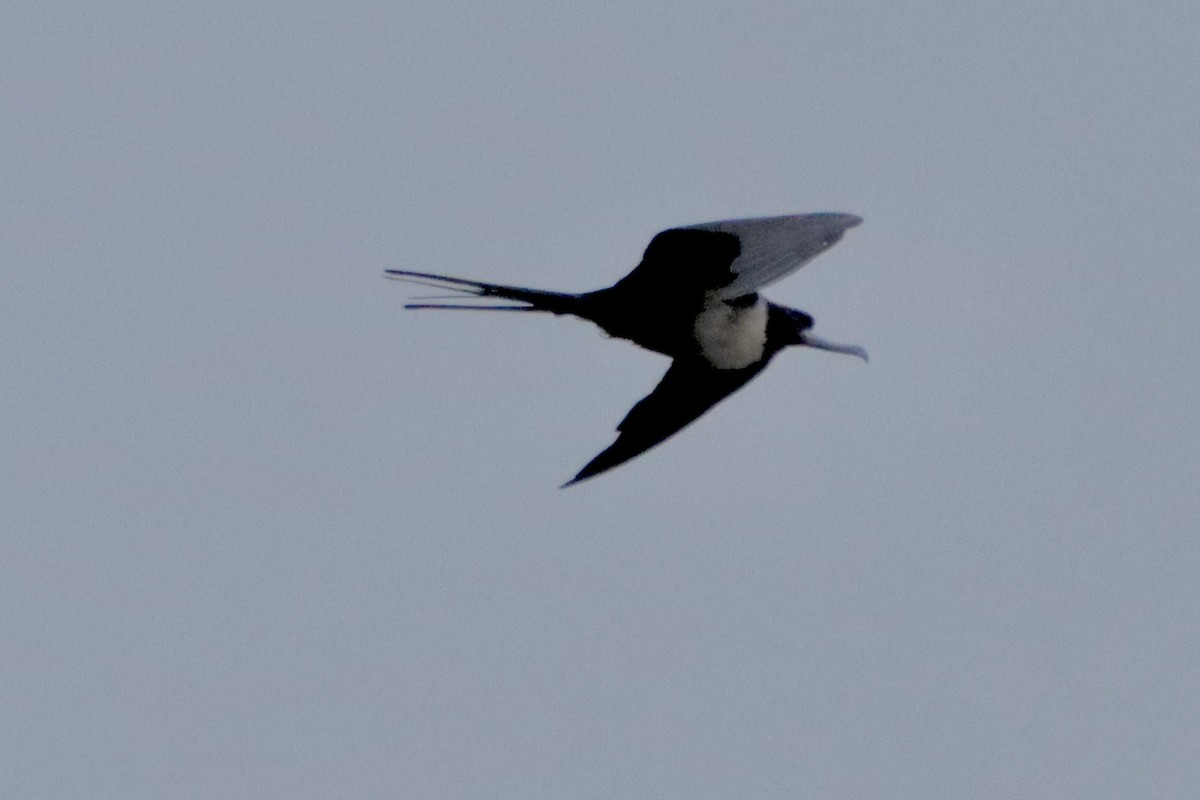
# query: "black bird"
{"type": "Point", "coordinates": [694, 298]}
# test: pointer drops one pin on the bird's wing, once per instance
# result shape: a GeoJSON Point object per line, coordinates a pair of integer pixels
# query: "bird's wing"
{"type": "Point", "coordinates": [689, 388]}
{"type": "Point", "coordinates": [774, 247]}
{"type": "Point", "coordinates": [680, 266]}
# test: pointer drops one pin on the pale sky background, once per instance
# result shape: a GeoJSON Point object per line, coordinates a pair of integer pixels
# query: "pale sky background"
{"type": "Point", "coordinates": [265, 534]}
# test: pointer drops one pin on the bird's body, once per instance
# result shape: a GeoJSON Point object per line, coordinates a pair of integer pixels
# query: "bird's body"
{"type": "Point", "coordinates": [693, 298]}
{"type": "Point", "coordinates": [732, 336]}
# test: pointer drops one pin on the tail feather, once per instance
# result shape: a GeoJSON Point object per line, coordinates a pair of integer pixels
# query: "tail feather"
{"type": "Point", "coordinates": [534, 299]}
{"type": "Point", "coordinates": [465, 307]}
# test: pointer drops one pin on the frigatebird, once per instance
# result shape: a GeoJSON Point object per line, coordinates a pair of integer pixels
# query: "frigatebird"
{"type": "Point", "coordinates": [694, 297]}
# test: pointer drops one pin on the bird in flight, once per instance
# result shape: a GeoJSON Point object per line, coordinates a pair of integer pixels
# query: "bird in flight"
{"type": "Point", "coordinates": [694, 297]}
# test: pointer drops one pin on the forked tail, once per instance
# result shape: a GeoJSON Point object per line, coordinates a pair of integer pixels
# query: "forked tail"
{"type": "Point", "coordinates": [533, 299]}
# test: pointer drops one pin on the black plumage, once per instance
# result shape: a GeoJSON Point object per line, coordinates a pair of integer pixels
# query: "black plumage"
{"type": "Point", "coordinates": [693, 298]}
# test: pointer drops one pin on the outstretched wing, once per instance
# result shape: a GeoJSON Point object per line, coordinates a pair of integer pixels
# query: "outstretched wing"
{"type": "Point", "coordinates": [732, 257]}
{"type": "Point", "coordinates": [679, 267]}
{"type": "Point", "coordinates": [689, 388]}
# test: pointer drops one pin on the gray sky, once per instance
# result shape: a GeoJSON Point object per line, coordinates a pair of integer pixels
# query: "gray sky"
{"type": "Point", "coordinates": [265, 534]}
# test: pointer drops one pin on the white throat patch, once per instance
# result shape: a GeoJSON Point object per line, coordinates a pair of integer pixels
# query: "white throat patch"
{"type": "Point", "coordinates": [730, 337]}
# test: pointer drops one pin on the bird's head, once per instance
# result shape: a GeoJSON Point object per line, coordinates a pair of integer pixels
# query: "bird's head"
{"type": "Point", "coordinates": [791, 326]}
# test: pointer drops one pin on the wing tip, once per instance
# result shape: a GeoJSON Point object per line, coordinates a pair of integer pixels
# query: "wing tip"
{"type": "Point", "coordinates": [584, 474]}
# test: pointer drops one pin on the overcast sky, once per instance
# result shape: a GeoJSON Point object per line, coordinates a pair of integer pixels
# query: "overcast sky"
{"type": "Point", "coordinates": [265, 534]}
